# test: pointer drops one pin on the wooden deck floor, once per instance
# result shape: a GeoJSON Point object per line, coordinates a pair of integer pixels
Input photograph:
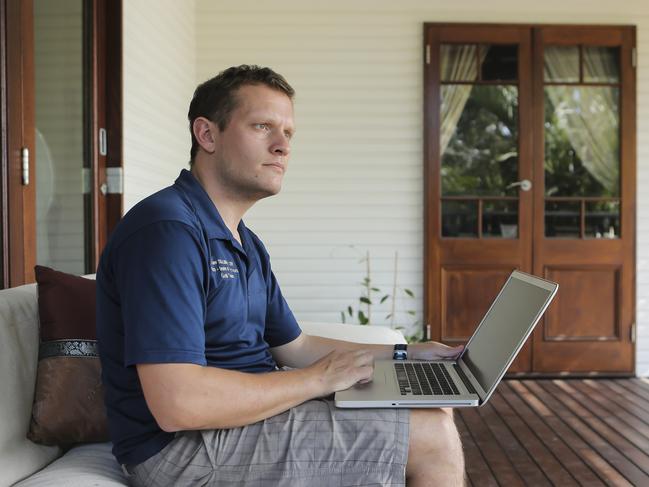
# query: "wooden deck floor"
{"type": "Point", "coordinates": [559, 432]}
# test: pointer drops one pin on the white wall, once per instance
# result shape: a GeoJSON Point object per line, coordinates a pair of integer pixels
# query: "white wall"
{"type": "Point", "coordinates": [356, 175]}
{"type": "Point", "coordinates": [159, 80]}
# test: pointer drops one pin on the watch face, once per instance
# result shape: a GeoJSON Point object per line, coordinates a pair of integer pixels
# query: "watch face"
{"type": "Point", "coordinates": [400, 352]}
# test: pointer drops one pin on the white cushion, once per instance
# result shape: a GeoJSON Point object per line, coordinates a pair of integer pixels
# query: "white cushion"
{"type": "Point", "coordinates": [86, 465]}
{"type": "Point", "coordinates": [19, 457]}
{"type": "Point", "coordinates": [354, 333]}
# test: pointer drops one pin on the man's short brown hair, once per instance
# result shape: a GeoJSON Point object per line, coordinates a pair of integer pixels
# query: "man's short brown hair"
{"type": "Point", "coordinates": [216, 98]}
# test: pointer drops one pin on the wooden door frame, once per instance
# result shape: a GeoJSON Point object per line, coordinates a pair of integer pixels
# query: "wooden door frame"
{"type": "Point", "coordinates": [17, 118]}
{"type": "Point", "coordinates": [17, 202]}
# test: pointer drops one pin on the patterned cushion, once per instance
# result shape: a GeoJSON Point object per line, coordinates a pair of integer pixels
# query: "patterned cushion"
{"type": "Point", "coordinates": [68, 401]}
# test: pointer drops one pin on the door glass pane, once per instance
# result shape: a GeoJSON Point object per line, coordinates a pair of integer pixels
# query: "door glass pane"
{"type": "Point", "coordinates": [479, 139]}
{"type": "Point", "coordinates": [459, 218]}
{"type": "Point", "coordinates": [582, 141]}
{"type": "Point", "coordinates": [603, 219]}
{"type": "Point", "coordinates": [499, 63]}
{"type": "Point", "coordinates": [601, 64]}
{"type": "Point", "coordinates": [500, 219]}
{"type": "Point", "coordinates": [561, 64]}
{"type": "Point", "coordinates": [459, 62]}
{"type": "Point", "coordinates": [562, 219]}
{"type": "Point", "coordinates": [58, 66]}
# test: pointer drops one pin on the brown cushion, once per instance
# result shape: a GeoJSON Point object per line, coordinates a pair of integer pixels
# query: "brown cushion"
{"type": "Point", "coordinates": [68, 401]}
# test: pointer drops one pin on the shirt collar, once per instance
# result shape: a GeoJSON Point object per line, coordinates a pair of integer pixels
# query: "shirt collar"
{"type": "Point", "coordinates": [205, 209]}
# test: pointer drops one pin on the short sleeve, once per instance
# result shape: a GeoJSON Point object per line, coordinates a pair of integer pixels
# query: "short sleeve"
{"type": "Point", "coordinates": [160, 273]}
{"type": "Point", "coordinates": [281, 325]}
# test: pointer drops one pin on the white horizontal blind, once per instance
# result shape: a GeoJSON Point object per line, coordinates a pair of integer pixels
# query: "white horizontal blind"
{"type": "Point", "coordinates": [356, 174]}
{"type": "Point", "coordinates": [159, 78]}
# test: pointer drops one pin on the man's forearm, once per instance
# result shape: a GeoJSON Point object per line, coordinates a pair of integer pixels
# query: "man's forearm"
{"type": "Point", "coordinates": [309, 349]}
{"type": "Point", "coordinates": [195, 397]}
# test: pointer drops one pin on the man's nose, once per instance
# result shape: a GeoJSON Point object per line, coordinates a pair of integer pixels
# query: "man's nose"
{"type": "Point", "coordinates": [281, 146]}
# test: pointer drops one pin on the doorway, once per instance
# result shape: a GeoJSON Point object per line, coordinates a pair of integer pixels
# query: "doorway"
{"type": "Point", "coordinates": [62, 79]}
{"type": "Point", "coordinates": [530, 165]}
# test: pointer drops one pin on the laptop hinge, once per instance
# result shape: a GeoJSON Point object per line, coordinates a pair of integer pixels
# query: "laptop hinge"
{"type": "Point", "coordinates": [476, 385]}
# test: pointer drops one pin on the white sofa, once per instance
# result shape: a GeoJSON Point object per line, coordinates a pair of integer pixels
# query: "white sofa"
{"type": "Point", "coordinates": [26, 464]}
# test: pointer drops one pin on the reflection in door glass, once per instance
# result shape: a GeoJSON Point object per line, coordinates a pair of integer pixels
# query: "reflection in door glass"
{"type": "Point", "coordinates": [603, 219]}
{"type": "Point", "coordinates": [562, 219]}
{"type": "Point", "coordinates": [499, 63]}
{"type": "Point", "coordinates": [582, 142]}
{"type": "Point", "coordinates": [561, 64]}
{"type": "Point", "coordinates": [58, 66]}
{"type": "Point", "coordinates": [479, 139]}
{"type": "Point", "coordinates": [601, 64]}
{"type": "Point", "coordinates": [459, 218]}
{"type": "Point", "coordinates": [500, 219]}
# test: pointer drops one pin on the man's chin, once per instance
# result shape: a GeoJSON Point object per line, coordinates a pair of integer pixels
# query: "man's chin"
{"type": "Point", "coordinates": [268, 191]}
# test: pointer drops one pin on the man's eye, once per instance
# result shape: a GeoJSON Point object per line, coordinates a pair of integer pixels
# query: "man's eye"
{"type": "Point", "coordinates": [262, 126]}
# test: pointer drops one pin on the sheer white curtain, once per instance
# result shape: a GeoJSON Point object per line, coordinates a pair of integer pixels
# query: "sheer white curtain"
{"type": "Point", "coordinates": [588, 114]}
{"type": "Point", "coordinates": [458, 63]}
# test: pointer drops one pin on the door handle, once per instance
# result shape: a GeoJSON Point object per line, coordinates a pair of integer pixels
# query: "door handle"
{"type": "Point", "coordinates": [525, 185]}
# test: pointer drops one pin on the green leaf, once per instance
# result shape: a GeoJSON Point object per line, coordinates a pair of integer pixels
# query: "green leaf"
{"type": "Point", "coordinates": [362, 319]}
{"type": "Point", "coordinates": [412, 313]}
{"type": "Point", "coordinates": [409, 293]}
{"type": "Point", "coordinates": [363, 299]}
{"type": "Point", "coordinates": [350, 311]}
{"type": "Point", "coordinates": [388, 316]}
{"type": "Point", "coordinates": [366, 280]}
{"type": "Point", "coordinates": [342, 316]}
{"type": "Point", "coordinates": [384, 298]}
{"type": "Point", "coordinates": [376, 289]}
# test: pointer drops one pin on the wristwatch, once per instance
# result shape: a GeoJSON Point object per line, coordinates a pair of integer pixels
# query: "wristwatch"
{"type": "Point", "coordinates": [400, 352]}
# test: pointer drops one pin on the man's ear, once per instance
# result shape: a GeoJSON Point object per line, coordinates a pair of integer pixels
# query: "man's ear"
{"type": "Point", "coordinates": [205, 133]}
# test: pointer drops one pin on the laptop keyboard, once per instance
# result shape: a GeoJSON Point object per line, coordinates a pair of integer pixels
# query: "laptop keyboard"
{"type": "Point", "coordinates": [424, 379]}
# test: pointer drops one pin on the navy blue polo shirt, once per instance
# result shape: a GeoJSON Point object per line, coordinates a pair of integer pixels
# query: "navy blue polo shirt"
{"type": "Point", "coordinates": [174, 286]}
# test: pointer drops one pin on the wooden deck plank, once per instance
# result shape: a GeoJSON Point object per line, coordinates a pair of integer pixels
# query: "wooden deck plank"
{"type": "Point", "coordinates": [555, 437]}
{"type": "Point", "coordinates": [500, 465]}
{"type": "Point", "coordinates": [561, 432]}
{"type": "Point", "coordinates": [506, 431]}
{"type": "Point", "coordinates": [619, 451]}
{"type": "Point", "coordinates": [576, 433]}
{"type": "Point", "coordinates": [641, 403]}
{"type": "Point", "coordinates": [622, 399]}
{"type": "Point", "coordinates": [627, 389]}
{"type": "Point", "coordinates": [614, 412]}
{"type": "Point", "coordinates": [641, 382]}
{"type": "Point", "coordinates": [477, 470]}
{"type": "Point", "coordinates": [636, 386]}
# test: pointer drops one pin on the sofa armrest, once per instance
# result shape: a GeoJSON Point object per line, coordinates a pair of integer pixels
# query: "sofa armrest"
{"type": "Point", "coordinates": [354, 333]}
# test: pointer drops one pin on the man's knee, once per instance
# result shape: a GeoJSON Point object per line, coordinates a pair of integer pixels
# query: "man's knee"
{"type": "Point", "coordinates": [433, 429]}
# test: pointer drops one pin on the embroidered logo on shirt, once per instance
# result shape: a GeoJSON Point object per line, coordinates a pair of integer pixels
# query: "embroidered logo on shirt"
{"type": "Point", "coordinates": [226, 267]}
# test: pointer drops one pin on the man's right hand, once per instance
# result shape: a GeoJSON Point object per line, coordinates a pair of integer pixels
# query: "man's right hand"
{"type": "Point", "coordinates": [341, 370]}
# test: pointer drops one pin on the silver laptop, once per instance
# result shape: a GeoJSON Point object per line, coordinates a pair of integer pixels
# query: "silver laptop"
{"type": "Point", "coordinates": [472, 378]}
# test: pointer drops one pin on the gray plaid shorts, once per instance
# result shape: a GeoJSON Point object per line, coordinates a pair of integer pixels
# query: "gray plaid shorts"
{"type": "Point", "coordinates": [314, 444]}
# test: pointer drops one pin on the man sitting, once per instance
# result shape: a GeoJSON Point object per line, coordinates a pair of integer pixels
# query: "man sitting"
{"type": "Point", "coordinates": [192, 327]}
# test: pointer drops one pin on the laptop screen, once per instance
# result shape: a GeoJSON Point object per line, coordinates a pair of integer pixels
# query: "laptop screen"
{"type": "Point", "coordinates": [504, 327]}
